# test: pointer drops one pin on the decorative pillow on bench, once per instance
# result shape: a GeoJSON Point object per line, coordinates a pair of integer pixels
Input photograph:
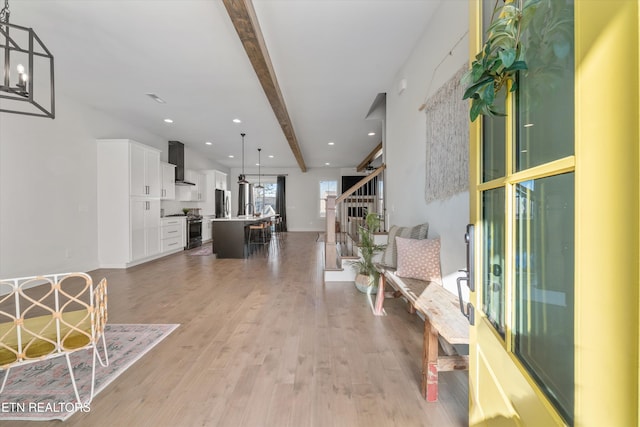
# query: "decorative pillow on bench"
{"type": "Point", "coordinates": [419, 259]}
{"type": "Point", "coordinates": [390, 255]}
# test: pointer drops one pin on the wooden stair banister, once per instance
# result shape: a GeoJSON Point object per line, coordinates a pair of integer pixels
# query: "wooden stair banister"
{"type": "Point", "coordinates": [370, 157]}
{"type": "Point", "coordinates": [332, 203]}
{"type": "Point", "coordinates": [360, 184]}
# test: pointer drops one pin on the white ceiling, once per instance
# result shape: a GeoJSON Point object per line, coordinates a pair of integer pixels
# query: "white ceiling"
{"type": "Point", "coordinates": [331, 58]}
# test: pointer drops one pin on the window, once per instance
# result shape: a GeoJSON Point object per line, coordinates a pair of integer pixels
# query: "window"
{"type": "Point", "coordinates": [544, 284]}
{"type": "Point", "coordinates": [263, 198]}
{"type": "Point", "coordinates": [327, 188]}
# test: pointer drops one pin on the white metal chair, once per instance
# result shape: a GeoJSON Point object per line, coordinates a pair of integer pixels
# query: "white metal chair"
{"type": "Point", "coordinates": [42, 317]}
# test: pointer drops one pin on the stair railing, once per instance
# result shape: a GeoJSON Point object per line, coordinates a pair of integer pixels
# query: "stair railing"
{"type": "Point", "coordinates": [345, 213]}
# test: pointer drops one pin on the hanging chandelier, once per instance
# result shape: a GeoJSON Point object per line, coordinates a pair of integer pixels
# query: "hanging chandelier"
{"type": "Point", "coordinates": [259, 165]}
{"type": "Point", "coordinates": [23, 53]}
{"type": "Point", "coordinates": [242, 178]}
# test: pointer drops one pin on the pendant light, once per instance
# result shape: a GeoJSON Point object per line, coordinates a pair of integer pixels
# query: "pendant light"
{"type": "Point", "coordinates": [260, 186]}
{"type": "Point", "coordinates": [22, 50]}
{"type": "Point", "coordinates": [241, 178]}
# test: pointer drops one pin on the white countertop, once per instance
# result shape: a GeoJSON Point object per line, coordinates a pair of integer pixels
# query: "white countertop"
{"type": "Point", "coordinates": [245, 218]}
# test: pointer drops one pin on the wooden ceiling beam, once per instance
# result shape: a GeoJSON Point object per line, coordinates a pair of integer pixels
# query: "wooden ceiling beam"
{"type": "Point", "coordinates": [244, 19]}
{"type": "Point", "coordinates": [372, 155]}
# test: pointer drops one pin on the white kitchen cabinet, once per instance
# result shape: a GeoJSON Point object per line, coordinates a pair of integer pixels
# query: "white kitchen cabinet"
{"type": "Point", "coordinates": [145, 228]}
{"type": "Point", "coordinates": [201, 183]}
{"type": "Point", "coordinates": [209, 205]}
{"type": "Point", "coordinates": [128, 203]}
{"type": "Point", "coordinates": [168, 184]}
{"type": "Point", "coordinates": [206, 229]}
{"type": "Point", "coordinates": [200, 189]}
{"type": "Point", "coordinates": [215, 180]}
{"type": "Point", "coordinates": [193, 193]}
{"type": "Point", "coordinates": [172, 234]}
{"type": "Point", "coordinates": [221, 180]}
{"type": "Point", "coordinates": [144, 170]}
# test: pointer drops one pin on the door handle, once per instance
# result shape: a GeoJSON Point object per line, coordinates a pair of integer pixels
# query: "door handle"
{"type": "Point", "coordinates": [469, 238]}
{"type": "Point", "coordinates": [469, 311]}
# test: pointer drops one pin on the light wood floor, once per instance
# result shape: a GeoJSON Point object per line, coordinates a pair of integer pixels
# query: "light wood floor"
{"type": "Point", "coordinates": [264, 342]}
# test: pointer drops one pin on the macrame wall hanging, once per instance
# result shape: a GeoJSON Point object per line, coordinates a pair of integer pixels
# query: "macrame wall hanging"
{"type": "Point", "coordinates": [447, 165]}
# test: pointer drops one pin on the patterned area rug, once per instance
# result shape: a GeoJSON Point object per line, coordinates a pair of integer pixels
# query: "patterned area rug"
{"type": "Point", "coordinates": [43, 391]}
{"type": "Point", "coordinates": [203, 250]}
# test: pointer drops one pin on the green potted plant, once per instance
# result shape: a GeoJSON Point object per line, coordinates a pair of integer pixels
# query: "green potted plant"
{"type": "Point", "coordinates": [367, 278]}
{"type": "Point", "coordinates": [502, 56]}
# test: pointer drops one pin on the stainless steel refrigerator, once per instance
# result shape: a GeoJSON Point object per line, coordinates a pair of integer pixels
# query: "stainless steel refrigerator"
{"type": "Point", "coordinates": [223, 204]}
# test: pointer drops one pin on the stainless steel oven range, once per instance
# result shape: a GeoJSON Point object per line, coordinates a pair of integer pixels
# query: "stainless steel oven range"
{"type": "Point", "coordinates": [194, 231]}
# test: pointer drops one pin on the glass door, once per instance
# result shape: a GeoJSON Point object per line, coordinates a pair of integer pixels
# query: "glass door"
{"type": "Point", "coordinates": [555, 199]}
{"type": "Point", "coordinates": [523, 360]}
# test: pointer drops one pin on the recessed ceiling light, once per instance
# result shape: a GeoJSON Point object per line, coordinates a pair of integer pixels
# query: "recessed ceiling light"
{"type": "Point", "coordinates": [231, 156]}
{"type": "Point", "coordinates": [271, 156]}
{"type": "Point", "coordinates": [237, 121]}
{"type": "Point", "coordinates": [371, 133]}
{"type": "Point", "coordinates": [528, 125]}
{"type": "Point", "coordinates": [168, 121]}
{"type": "Point", "coordinates": [327, 164]}
{"type": "Point", "coordinates": [332, 143]}
{"type": "Point", "coordinates": [209, 143]}
{"type": "Point", "coordinates": [257, 164]}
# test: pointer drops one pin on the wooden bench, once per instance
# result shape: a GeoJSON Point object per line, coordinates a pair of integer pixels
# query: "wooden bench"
{"type": "Point", "coordinates": [443, 318]}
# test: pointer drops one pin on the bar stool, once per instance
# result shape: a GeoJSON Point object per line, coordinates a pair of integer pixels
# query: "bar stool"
{"type": "Point", "coordinates": [276, 227]}
{"type": "Point", "coordinates": [258, 235]}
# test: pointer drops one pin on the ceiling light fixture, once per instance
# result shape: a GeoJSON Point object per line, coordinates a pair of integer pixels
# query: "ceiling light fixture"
{"type": "Point", "coordinates": [332, 143]}
{"type": "Point", "coordinates": [168, 121]}
{"type": "Point", "coordinates": [259, 183]}
{"type": "Point", "coordinates": [209, 143]}
{"type": "Point", "coordinates": [237, 121]}
{"type": "Point", "coordinates": [23, 46]}
{"type": "Point", "coordinates": [241, 178]}
{"type": "Point", "coordinates": [231, 156]}
{"type": "Point", "coordinates": [371, 133]}
{"type": "Point", "coordinates": [327, 164]}
{"type": "Point", "coordinates": [271, 156]}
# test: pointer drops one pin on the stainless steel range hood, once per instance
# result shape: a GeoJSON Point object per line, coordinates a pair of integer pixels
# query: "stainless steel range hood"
{"type": "Point", "coordinates": [176, 157]}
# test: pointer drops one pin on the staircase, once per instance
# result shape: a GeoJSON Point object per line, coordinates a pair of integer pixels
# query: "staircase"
{"type": "Point", "coordinates": [344, 216]}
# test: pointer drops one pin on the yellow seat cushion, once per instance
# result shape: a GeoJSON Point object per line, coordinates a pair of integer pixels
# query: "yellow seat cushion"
{"type": "Point", "coordinates": [45, 326]}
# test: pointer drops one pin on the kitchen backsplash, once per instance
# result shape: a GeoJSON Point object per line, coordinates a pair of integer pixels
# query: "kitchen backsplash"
{"type": "Point", "coordinates": [175, 207]}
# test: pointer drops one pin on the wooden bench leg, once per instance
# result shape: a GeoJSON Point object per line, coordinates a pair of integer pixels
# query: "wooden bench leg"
{"type": "Point", "coordinates": [430, 363]}
{"type": "Point", "coordinates": [378, 310]}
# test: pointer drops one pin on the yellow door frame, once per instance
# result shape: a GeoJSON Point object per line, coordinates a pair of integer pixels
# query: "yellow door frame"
{"type": "Point", "coordinates": [607, 220]}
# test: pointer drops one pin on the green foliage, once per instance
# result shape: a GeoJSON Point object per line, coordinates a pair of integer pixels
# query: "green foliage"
{"type": "Point", "coordinates": [502, 56]}
{"type": "Point", "coordinates": [368, 247]}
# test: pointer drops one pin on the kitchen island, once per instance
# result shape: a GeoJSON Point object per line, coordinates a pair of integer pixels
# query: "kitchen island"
{"type": "Point", "coordinates": [230, 236]}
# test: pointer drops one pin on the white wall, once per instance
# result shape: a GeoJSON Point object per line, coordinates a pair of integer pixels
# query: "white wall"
{"type": "Point", "coordinates": [405, 136]}
{"type": "Point", "coordinates": [302, 191]}
{"type": "Point", "coordinates": [48, 204]}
